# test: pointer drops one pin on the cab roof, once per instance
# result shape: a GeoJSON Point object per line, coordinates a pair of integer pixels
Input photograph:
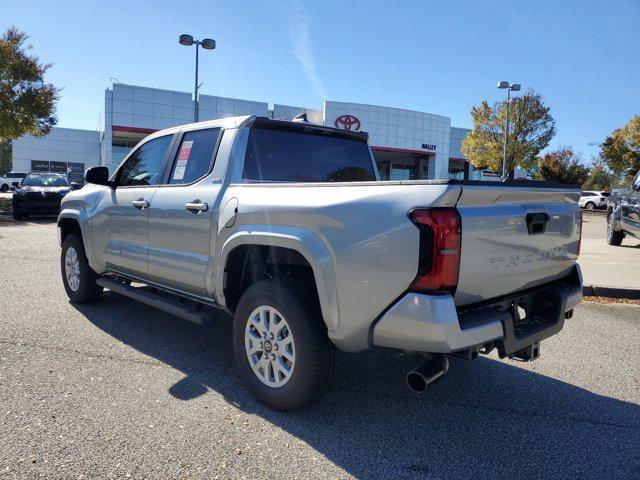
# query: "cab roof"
{"type": "Point", "coordinates": [263, 122]}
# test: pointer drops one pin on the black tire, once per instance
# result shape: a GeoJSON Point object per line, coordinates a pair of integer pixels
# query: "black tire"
{"type": "Point", "coordinates": [4, 188]}
{"type": "Point", "coordinates": [614, 237]}
{"type": "Point", "coordinates": [590, 206]}
{"type": "Point", "coordinates": [313, 350]}
{"type": "Point", "coordinates": [18, 215]}
{"type": "Point", "coordinates": [87, 290]}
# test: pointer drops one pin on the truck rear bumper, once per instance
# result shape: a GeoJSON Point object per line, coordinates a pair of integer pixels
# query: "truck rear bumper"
{"type": "Point", "coordinates": [432, 323]}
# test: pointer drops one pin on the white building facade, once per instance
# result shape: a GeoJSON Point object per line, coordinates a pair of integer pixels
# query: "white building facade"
{"type": "Point", "coordinates": [63, 150]}
{"type": "Point", "coordinates": [407, 144]}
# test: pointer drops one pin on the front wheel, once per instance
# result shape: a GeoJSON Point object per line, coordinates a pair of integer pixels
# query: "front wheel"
{"type": "Point", "coordinates": [614, 237]}
{"type": "Point", "coordinates": [77, 276]}
{"type": "Point", "coordinates": [590, 206]}
{"type": "Point", "coordinates": [280, 344]}
{"type": "Point", "coordinates": [4, 188]}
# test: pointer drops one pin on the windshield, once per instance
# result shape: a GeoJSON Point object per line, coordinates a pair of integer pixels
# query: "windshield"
{"type": "Point", "coordinates": [45, 180]}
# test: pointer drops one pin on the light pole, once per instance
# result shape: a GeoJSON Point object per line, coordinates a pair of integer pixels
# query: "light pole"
{"type": "Point", "coordinates": [511, 87]}
{"type": "Point", "coordinates": [207, 44]}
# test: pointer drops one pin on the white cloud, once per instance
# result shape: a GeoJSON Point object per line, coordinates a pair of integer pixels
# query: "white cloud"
{"type": "Point", "coordinates": [299, 34]}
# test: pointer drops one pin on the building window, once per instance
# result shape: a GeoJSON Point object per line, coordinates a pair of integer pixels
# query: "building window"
{"type": "Point", "coordinates": [74, 170]}
{"type": "Point", "coordinates": [400, 171]}
{"type": "Point", "coordinates": [457, 169]}
{"type": "Point", "coordinates": [401, 165]}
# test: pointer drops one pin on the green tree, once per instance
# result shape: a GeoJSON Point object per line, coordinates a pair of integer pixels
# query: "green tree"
{"type": "Point", "coordinates": [600, 177]}
{"type": "Point", "coordinates": [621, 150]}
{"type": "Point", "coordinates": [561, 165]}
{"type": "Point", "coordinates": [27, 103]}
{"type": "Point", "coordinates": [531, 128]}
{"type": "Point", "coordinates": [5, 157]}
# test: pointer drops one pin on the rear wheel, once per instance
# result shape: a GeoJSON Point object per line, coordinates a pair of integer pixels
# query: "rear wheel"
{"type": "Point", "coordinates": [18, 215]}
{"type": "Point", "coordinates": [4, 188]}
{"type": "Point", "coordinates": [614, 237]}
{"type": "Point", "coordinates": [280, 344]}
{"type": "Point", "coordinates": [77, 276]}
{"type": "Point", "coordinates": [590, 206]}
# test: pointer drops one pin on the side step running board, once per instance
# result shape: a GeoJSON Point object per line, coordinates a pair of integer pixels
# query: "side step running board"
{"type": "Point", "coordinates": [188, 309]}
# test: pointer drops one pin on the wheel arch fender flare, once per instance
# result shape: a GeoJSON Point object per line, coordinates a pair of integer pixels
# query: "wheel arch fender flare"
{"type": "Point", "coordinates": [302, 240]}
{"type": "Point", "coordinates": [80, 218]}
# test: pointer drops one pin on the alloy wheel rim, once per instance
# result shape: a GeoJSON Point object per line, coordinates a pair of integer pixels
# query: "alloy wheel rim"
{"type": "Point", "coordinates": [269, 346]}
{"type": "Point", "coordinates": [72, 268]}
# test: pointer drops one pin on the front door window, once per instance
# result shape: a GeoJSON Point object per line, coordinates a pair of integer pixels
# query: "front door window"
{"type": "Point", "coordinates": [144, 165]}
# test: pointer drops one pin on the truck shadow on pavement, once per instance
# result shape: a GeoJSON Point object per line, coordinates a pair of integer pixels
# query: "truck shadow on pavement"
{"type": "Point", "coordinates": [485, 418]}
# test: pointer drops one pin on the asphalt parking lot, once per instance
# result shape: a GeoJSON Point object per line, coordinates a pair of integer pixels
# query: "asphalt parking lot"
{"type": "Point", "coordinates": [117, 389]}
{"type": "Point", "coordinates": [603, 264]}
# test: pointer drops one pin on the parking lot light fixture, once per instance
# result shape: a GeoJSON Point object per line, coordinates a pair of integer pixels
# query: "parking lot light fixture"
{"type": "Point", "coordinates": [207, 44]}
{"type": "Point", "coordinates": [186, 40]}
{"type": "Point", "coordinates": [510, 87]}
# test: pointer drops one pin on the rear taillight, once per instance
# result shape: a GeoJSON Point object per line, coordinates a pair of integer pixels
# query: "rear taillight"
{"type": "Point", "coordinates": [439, 259]}
{"type": "Point", "coordinates": [580, 237]}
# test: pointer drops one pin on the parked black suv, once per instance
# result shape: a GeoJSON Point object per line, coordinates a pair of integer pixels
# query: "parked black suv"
{"type": "Point", "coordinates": [39, 194]}
{"type": "Point", "coordinates": [623, 213]}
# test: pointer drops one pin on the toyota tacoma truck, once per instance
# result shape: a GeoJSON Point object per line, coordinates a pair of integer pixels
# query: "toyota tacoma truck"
{"type": "Point", "coordinates": [623, 213]}
{"type": "Point", "coordinates": [286, 226]}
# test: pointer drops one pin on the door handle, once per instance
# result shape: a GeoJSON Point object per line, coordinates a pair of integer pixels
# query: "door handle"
{"type": "Point", "coordinates": [537, 222]}
{"type": "Point", "coordinates": [196, 206]}
{"type": "Point", "coordinates": [140, 204]}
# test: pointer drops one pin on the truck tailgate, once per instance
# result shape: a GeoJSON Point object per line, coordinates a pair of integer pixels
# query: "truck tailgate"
{"type": "Point", "coordinates": [514, 238]}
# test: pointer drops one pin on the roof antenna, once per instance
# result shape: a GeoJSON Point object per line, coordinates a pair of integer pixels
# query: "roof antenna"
{"type": "Point", "coordinates": [300, 118]}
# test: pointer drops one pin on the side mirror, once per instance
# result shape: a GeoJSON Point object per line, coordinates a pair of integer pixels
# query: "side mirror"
{"type": "Point", "coordinates": [76, 186]}
{"type": "Point", "coordinates": [15, 184]}
{"type": "Point", "coordinates": [98, 176]}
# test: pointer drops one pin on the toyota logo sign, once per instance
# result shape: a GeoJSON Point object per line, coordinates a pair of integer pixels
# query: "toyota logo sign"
{"type": "Point", "coordinates": [348, 122]}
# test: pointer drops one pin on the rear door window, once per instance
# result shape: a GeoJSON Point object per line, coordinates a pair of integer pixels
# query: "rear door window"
{"type": "Point", "coordinates": [275, 155]}
{"type": "Point", "coordinates": [195, 156]}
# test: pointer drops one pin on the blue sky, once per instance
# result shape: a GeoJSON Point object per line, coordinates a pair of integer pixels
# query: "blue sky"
{"type": "Point", "coordinates": [439, 57]}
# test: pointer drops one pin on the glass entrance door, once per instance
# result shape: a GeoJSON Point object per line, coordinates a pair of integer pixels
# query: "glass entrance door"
{"type": "Point", "coordinates": [403, 171]}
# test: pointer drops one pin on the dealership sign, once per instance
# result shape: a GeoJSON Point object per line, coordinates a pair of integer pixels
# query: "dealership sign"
{"type": "Point", "coordinates": [348, 122]}
{"type": "Point", "coordinates": [429, 146]}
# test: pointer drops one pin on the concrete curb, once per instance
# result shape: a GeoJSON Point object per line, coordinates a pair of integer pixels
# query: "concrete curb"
{"type": "Point", "coordinates": [610, 292]}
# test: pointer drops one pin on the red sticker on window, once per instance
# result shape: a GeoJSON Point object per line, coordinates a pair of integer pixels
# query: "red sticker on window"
{"type": "Point", "coordinates": [183, 158]}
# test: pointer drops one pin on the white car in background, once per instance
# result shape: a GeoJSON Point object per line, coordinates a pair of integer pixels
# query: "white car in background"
{"type": "Point", "coordinates": [9, 178]}
{"type": "Point", "coordinates": [591, 200]}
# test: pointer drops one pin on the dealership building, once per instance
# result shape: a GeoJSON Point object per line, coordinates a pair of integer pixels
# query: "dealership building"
{"type": "Point", "coordinates": [406, 144]}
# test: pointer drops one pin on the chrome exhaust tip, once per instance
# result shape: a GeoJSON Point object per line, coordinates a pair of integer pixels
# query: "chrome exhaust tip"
{"type": "Point", "coordinates": [428, 372]}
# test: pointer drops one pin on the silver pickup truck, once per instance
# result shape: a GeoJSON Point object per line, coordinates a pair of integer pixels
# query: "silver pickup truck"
{"type": "Point", "coordinates": [286, 226]}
